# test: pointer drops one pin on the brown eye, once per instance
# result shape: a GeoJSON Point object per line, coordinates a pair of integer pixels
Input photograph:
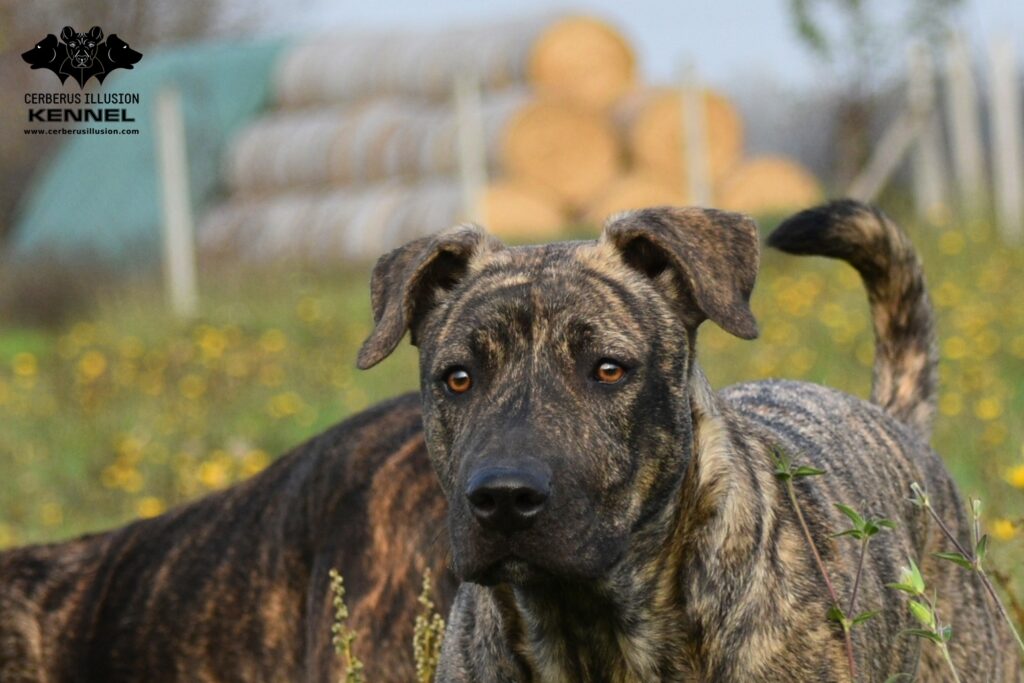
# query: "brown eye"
{"type": "Point", "coordinates": [609, 372]}
{"type": "Point", "coordinates": [458, 381]}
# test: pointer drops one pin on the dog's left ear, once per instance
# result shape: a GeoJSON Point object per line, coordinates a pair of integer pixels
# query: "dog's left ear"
{"type": "Point", "coordinates": [409, 280]}
{"type": "Point", "coordinates": [714, 255]}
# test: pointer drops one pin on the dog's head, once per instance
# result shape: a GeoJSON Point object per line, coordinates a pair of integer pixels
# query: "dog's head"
{"type": "Point", "coordinates": [47, 54]}
{"type": "Point", "coordinates": [555, 378]}
{"type": "Point", "coordinates": [82, 47]}
{"type": "Point", "coordinates": [118, 54]}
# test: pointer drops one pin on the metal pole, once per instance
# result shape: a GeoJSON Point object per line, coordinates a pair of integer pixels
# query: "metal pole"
{"type": "Point", "coordinates": [178, 231]}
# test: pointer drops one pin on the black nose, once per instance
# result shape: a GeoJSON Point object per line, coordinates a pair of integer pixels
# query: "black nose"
{"type": "Point", "coordinates": [507, 500]}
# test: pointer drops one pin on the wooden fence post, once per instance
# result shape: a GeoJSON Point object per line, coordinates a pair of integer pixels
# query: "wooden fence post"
{"type": "Point", "coordinates": [179, 250]}
{"type": "Point", "coordinates": [964, 125]}
{"type": "Point", "coordinates": [928, 161]}
{"type": "Point", "coordinates": [1007, 151]}
{"type": "Point", "coordinates": [472, 146]}
{"type": "Point", "coordinates": [696, 168]}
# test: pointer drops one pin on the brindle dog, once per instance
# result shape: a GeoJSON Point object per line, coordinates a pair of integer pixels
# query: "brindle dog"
{"type": "Point", "coordinates": [613, 518]}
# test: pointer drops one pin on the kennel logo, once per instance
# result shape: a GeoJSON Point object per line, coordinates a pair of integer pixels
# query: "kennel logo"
{"type": "Point", "coordinates": [81, 56]}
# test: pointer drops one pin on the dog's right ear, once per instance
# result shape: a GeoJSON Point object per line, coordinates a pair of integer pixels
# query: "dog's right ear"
{"type": "Point", "coordinates": [411, 279]}
{"type": "Point", "coordinates": [67, 33]}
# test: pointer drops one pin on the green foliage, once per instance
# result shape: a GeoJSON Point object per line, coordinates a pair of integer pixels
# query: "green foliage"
{"type": "Point", "coordinates": [428, 634]}
{"type": "Point", "coordinates": [342, 636]}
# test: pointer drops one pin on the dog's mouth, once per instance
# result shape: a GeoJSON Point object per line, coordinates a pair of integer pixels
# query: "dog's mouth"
{"type": "Point", "coordinates": [511, 570]}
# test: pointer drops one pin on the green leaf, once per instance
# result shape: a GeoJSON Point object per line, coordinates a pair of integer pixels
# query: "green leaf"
{"type": "Point", "coordinates": [864, 616]}
{"type": "Point", "coordinates": [946, 633]}
{"type": "Point", "coordinates": [922, 613]}
{"type": "Point", "coordinates": [782, 464]}
{"type": "Point", "coordinates": [836, 614]}
{"type": "Point", "coordinates": [916, 580]}
{"type": "Point", "coordinates": [857, 520]}
{"type": "Point", "coordinates": [920, 498]}
{"type": "Point", "coordinates": [904, 587]}
{"type": "Point", "coordinates": [856, 533]}
{"type": "Point", "coordinates": [805, 471]}
{"type": "Point", "coordinates": [921, 633]}
{"type": "Point", "coordinates": [955, 558]}
{"type": "Point", "coordinates": [888, 524]}
{"type": "Point", "coordinates": [982, 548]}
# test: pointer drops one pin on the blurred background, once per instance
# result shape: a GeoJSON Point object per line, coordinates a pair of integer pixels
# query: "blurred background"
{"type": "Point", "coordinates": [180, 306]}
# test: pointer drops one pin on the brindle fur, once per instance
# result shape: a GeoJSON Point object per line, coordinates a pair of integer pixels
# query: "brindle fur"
{"type": "Point", "coordinates": [668, 550]}
{"type": "Point", "coordinates": [234, 587]}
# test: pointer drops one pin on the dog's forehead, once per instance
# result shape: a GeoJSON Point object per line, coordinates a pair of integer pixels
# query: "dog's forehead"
{"type": "Point", "coordinates": [558, 283]}
{"type": "Point", "coordinates": [556, 261]}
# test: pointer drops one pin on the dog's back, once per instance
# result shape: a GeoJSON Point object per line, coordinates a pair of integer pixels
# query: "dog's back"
{"type": "Point", "coordinates": [872, 452]}
{"type": "Point", "coordinates": [235, 586]}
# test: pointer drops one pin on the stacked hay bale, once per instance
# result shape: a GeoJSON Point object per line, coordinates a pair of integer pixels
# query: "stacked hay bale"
{"type": "Point", "coordinates": [360, 151]}
{"type": "Point", "coordinates": [651, 123]}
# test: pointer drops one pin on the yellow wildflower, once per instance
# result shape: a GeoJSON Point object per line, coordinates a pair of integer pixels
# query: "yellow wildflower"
{"type": "Point", "coordinates": [1015, 476]}
{"type": "Point", "coordinates": [1002, 529]}
{"type": "Point", "coordinates": [25, 365]}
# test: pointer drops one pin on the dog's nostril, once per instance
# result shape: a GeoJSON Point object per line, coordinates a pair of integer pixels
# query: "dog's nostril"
{"type": "Point", "coordinates": [530, 502]}
{"type": "Point", "coordinates": [482, 501]}
{"type": "Point", "coordinates": [507, 500]}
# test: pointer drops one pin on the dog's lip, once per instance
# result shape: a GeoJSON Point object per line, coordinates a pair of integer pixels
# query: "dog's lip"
{"type": "Point", "coordinates": [506, 569]}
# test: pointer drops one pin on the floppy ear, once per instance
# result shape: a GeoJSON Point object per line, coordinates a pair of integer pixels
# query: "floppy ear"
{"type": "Point", "coordinates": [409, 280]}
{"type": "Point", "coordinates": [67, 33]}
{"type": "Point", "coordinates": [714, 255]}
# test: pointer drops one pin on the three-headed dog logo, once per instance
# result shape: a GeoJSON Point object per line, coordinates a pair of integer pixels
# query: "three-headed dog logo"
{"type": "Point", "coordinates": [81, 56]}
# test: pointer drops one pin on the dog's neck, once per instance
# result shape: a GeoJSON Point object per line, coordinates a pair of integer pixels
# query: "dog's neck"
{"type": "Point", "coordinates": [660, 614]}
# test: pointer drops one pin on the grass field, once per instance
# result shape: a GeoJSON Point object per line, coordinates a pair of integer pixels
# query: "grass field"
{"type": "Point", "coordinates": [124, 411]}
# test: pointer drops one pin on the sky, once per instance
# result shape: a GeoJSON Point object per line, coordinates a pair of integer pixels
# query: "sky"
{"type": "Point", "coordinates": [728, 41]}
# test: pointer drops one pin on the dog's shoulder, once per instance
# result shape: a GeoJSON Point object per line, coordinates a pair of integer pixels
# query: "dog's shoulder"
{"type": "Point", "coordinates": [819, 412]}
{"type": "Point", "coordinates": [869, 457]}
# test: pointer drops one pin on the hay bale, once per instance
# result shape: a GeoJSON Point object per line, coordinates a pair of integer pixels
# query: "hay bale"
{"type": "Point", "coordinates": [580, 58]}
{"type": "Point", "coordinates": [568, 151]}
{"type": "Point", "coordinates": [768, 185]}
{"type": "Point", "coordinates": [356, 224]}
{"type": "Point", "coordinates": [652, 123]}
{"type": "Point", "coordinates": [515, 211]}
{"type": "Point", "coordinates": [563, 149]}
{"type": "Point", "coordinates": [635, 190]}
{"type": "Point", "coordinates": [362, 143]}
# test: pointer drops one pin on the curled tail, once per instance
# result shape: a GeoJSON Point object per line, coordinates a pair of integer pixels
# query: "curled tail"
{"type": "Point", "coordinates": [905, 377]}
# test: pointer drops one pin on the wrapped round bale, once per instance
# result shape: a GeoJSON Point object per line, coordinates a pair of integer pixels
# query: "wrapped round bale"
{"type": "Point", "coordinates": [768, 185]}
{"type": "Point", "coordinates": [652, 124]}
{"type": "Point", "coordinates": [635, 190]}
{"type": "Point", "coordinates": [580, 58]}
{"type": "Point", "coordinates": [568, 151]}
{"type": "Point", "coordinates": [362, 223]}
{"type": "Point", "coordinates": [357, 224]}
{"type": "Point", "coordinates": [517, 212]}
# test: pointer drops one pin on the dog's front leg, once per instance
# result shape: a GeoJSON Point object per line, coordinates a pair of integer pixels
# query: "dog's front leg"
{"type": "Point", "coordinates": [477, 644]}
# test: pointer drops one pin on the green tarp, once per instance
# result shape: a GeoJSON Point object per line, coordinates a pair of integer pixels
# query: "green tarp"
{"type": "Point", "coordinates": [99, 196]}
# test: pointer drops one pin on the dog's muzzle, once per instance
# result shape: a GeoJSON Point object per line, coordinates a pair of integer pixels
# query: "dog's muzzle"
{"type": "Point", "coordinates": [508, 499]}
